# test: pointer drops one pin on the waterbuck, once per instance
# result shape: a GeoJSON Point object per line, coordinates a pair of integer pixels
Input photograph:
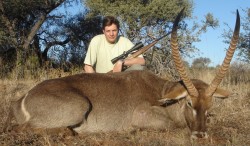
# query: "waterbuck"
{"type": "Point", "coordinates": [124, 101]}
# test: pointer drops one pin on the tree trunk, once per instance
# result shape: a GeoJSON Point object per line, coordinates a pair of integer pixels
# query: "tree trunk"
{"type": "Point", "coordinates": [20, 63]}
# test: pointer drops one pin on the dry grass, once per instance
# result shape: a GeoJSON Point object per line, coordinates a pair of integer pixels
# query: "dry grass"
{"type": "Point", "coordinates": [229, 123]}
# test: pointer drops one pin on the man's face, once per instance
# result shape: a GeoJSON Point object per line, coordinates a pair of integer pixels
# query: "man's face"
{"type": "Point", "coordinates": [111, 33]}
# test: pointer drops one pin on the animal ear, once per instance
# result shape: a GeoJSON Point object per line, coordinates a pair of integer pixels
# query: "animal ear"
{"type": "Point", "coordinates": [175, 93]}
{"type": "Point", "coordinates": [221, 93]}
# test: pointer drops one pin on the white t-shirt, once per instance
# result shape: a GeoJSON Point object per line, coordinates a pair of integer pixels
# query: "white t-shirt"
{"type": "Point", "coordinates": [101, 52]}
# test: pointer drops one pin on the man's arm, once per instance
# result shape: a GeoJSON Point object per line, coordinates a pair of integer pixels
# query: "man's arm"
{"type": "Point", "coordinates": [132, 61]}
{"type": "Point", "coordinates": [88, 69]}
{"type": "Point", "coordinates": [128, 62]}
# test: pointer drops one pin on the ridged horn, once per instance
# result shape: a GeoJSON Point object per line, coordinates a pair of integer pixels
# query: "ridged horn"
{"type": "Point", "coordinates": [177, 59]}
{"type": "Point", "coordinates": [225, 65]}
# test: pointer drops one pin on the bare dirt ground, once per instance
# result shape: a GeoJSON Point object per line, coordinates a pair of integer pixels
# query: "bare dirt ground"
{"type": "Point", "coordinates": [228, 125]}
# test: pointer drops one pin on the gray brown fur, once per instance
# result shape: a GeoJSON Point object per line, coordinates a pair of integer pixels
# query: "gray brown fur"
{"type": "Point", "coordinates": [104, 102]}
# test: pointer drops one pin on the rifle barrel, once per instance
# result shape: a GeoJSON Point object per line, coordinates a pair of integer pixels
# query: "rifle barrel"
{"type": "Point", "coordinates": [145, 48]}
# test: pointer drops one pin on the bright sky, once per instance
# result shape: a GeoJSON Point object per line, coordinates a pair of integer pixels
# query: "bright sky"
{"type": "Point", "coordinates": [211, 45]}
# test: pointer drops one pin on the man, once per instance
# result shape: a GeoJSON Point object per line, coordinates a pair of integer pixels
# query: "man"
{"type": "Point", "coordinates": [104, 47]}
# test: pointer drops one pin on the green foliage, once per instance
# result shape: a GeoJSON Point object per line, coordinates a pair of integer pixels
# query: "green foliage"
{"type": "Point", "coordinates": [146, 11]}
{"type": "Point", "coordinates": [244, 40]}
{"type": "Point", "coordinates": [136, 14]}
{"type": "Point", "coordinates": [211, 21]}
{"type": "Point", "coordinates": [21, 8]}
{"type": "Point", "coordinates": [7, 61]}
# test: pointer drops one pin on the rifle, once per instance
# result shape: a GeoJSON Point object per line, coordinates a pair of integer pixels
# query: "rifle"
{"type": "Point", "coordinates": [137, 53]}
{"type": "Point", "coordinates": [126, 53]}
{"type": "Point", "coordinates": [144, 49]}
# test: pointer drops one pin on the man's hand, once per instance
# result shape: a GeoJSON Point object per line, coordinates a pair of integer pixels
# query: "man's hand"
{"type": "Point", "coordinates": [118, 66]}
{"type": "Point", "coordinates": [88, 69]}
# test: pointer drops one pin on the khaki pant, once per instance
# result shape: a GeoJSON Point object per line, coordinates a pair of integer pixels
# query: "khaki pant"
{"type": "Point", "coordinates": [135, 67]}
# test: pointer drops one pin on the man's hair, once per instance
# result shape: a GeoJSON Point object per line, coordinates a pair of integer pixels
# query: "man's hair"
{"type": "Point", "coordinates": [109, 20]}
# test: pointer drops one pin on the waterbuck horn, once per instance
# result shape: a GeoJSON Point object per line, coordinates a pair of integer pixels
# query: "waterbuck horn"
{"type": "Point", "coordinates": [225, 65]}
{"type": "Point", "coordinates": [178, 61]}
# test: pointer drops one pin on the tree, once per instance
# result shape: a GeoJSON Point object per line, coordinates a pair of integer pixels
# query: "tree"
{"type": "Point", "coordinates": [140, 16]}
{"type": "Point", "coordinates": [244, 40]}
{"type": "Point", "coordinates": [21, 20]}
{"type": "Point", "coordinates": [201, 63]}
{"type": "Point", "coordinates": [77, 32]}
